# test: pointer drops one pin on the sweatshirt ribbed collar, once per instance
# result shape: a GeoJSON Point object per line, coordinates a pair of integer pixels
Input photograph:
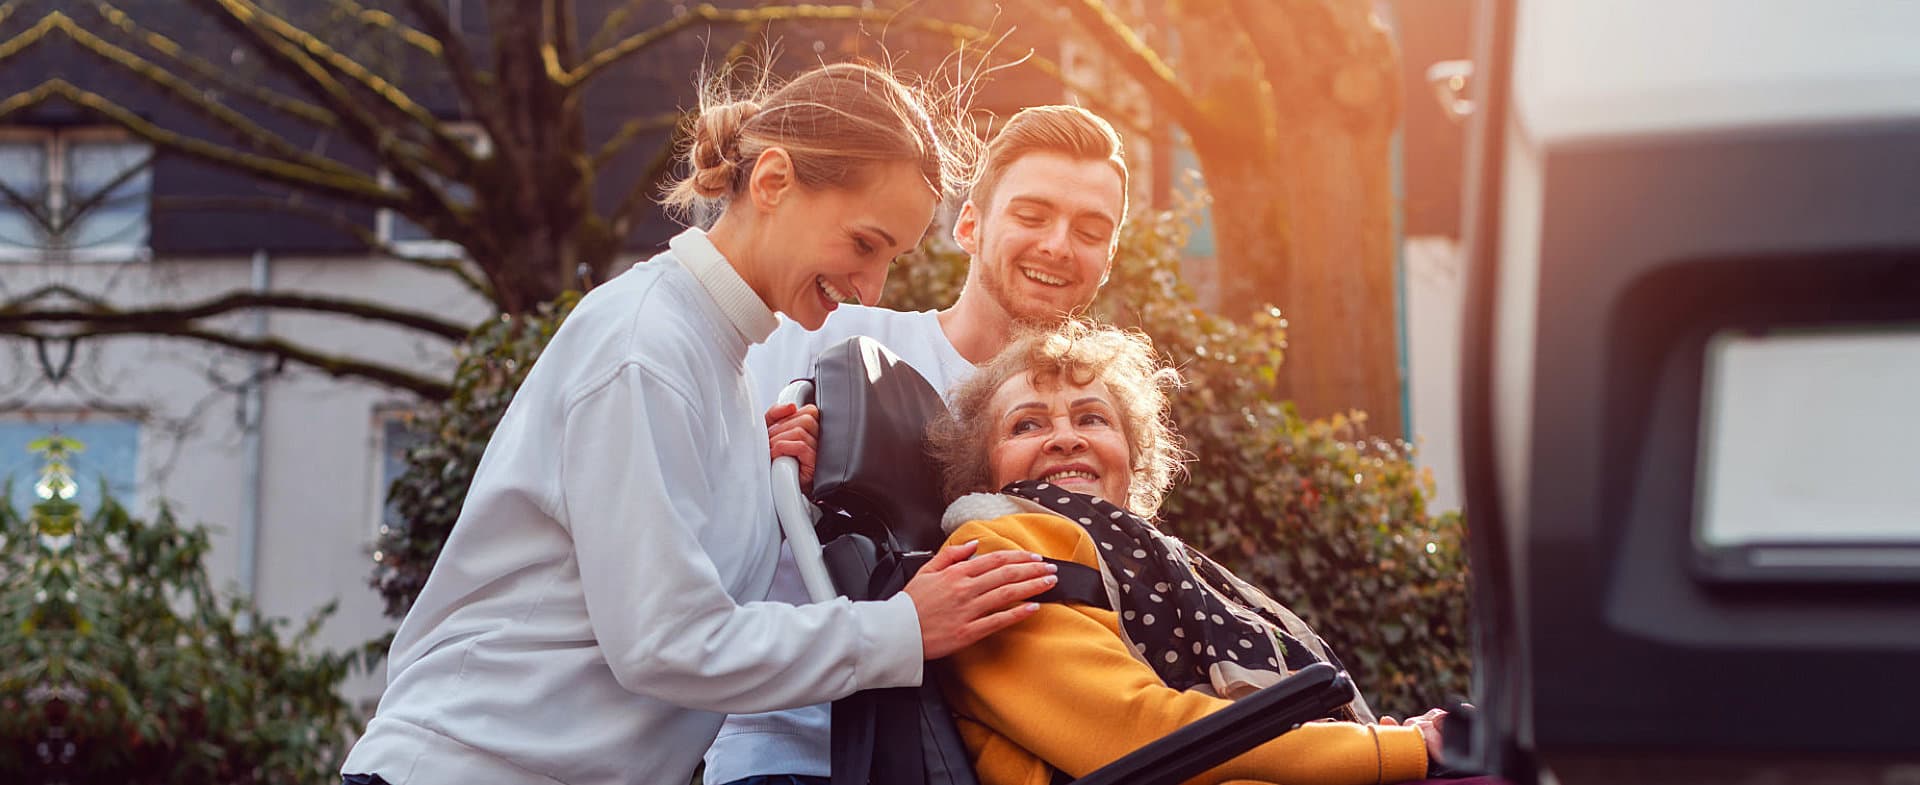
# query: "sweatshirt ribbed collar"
{"type": "Point", "coordinates": [748, 313]}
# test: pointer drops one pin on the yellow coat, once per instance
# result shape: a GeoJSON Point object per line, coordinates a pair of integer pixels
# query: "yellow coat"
{"type": "Point", "coordinates": [1061, 688]}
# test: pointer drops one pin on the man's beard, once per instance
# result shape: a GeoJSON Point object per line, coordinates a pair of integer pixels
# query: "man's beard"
{"type": "Point", "coordinates": [1000, 288]}
{"type": "Point", "coordinates": [999, 284]}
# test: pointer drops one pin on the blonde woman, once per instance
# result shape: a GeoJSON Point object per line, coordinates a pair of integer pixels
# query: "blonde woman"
{"type": "Point", "coordinates": [595, 612]}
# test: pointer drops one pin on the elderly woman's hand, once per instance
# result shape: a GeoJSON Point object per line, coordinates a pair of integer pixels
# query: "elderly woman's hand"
{"type": "Point", "coordinates": [1429, 725]}
{"type": "Point", "coordinates": [961, 600]}
{"type": "Point", "coordinates": [794, 431]}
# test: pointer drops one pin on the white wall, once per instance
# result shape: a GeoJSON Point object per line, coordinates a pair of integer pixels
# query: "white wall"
{"type": "Point", "coordinates": [319, 463]}
{"type": "Point", "coordinates": [1434, 280]}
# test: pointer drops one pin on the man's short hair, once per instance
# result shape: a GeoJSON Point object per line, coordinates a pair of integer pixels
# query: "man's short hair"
{"type": "Point", "coordinates": [1068, 130]}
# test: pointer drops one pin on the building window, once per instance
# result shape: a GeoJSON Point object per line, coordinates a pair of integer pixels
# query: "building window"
{"type": "Point", "coordinates": [410, 239]}
{"type": "Point", "coordinates": [396, 432]}
{"type": "Point", "coordinates": [73, 194]}
{"type": "Point", "coordinates": [110, 451]}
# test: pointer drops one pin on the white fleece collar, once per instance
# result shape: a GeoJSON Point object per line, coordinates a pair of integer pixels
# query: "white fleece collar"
{"type": "Point", "coordinates": [985, 507]}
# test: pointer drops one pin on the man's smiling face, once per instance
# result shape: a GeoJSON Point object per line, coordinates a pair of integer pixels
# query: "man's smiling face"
{"type": "Point", "coordinates": [1043, 243]}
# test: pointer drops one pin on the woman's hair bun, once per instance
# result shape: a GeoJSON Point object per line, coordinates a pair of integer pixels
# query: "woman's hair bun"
{"type": "Point", "coordinates": [716, 147]}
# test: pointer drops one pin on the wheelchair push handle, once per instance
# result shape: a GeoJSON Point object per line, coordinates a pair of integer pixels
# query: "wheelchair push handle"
{"type": "Point", "coordinates": [796, 512]}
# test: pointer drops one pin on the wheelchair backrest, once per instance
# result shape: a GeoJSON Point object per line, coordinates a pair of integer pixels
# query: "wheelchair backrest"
{"type": "Point", "coordinates": [873, 465]}
{"type": "Point", "coordinates": [880, 493]}
{"type": "Point", "coordinates": [1693, 340]}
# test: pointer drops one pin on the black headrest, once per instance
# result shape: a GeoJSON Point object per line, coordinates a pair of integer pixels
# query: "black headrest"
{"type": "Point", "coordinates": [873, 464]}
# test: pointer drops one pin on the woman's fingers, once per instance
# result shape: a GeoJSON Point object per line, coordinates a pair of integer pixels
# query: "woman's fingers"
{"type": "Point", "coordinates": [794, 431]}
{"type": "Point", "coordinates": [791, 450]}
{"type": "Point", "coordinates": [983, 564]}
{"type": "Point", "coordinates": [788, 416]}
{"type": "Point", "coordinates": [796, 440]}
{"type": "Point", "coordinates": [802, 453]}
{"type": "Point", "coordinates": [780, 411]}
{"type": "Point", "coordinates": [1430, 733]}
{"type": "Point", "coordinates": [953, 594]}
{"type": "Point", "coordinates": [949, 556]}
{"type": "Point", "coordinates": [1011, 593]}
{"type": "Point", "coordinates": [794, 436]}
{"type": "Point", "coordinates": [995, 622]}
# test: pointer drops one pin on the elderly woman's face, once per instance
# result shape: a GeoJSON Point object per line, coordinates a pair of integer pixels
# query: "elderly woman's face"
{"type": "Point", "coordinates": [1066, 434]}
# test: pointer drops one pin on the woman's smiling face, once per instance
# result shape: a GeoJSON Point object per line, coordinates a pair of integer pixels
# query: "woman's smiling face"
{"type": "Point", "coordinates": [835, 244]}
{"type": "Point", "coordinates": [1066, 434]}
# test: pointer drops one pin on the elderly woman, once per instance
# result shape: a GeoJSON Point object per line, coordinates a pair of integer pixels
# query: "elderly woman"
{"type": "Point", "coordinates": [1071, 426]}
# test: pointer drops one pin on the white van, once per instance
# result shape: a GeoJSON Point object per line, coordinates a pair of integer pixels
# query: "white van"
{"type": "Point", "coordinates": [1691, 390]}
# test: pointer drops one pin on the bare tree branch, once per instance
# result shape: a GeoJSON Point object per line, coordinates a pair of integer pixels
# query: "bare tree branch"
{"type": "Point", "coordinates": [742, 48]}
{"type": "Point", "coordinates": [612, 24]}
{"type": "Point", "coordinates": [19, 311]}
{"type": "Point", "coordinates": [100, 195]}
{"type": "Point", "coordinates": [422, 385]}
{"type": "Point", "coordinates": [1275, 50]}
{"type": "Point", "coordinates": [356, 187]}
{"type": "Point", "coordinates": [196, 100]}
{"type": "Point", "coordinates": [387, 23]}
{"type": "Point", "coordinates": [645, 188]}
{"type": "Point", "coordinates": [1140, 62]}
{"type": "Point", "coordinates": [36, 209]}
{"type": "Point", "coordinates": [564, 35]}
{"type": "Point", "coordinates": [206, 69]}
{"type": "Point", "coordinates": [638, 42]}
{"type": "Point", "coordinates": [1353, 57]}
{"type": "Point", "coordinates": [30, 36]}
{"type": "Point", "coordinates": [26, 99]}
{"type": "Point", "coordinates": [295, 51]}
{"type": "Point", "coordinates": [1091, 95]}
{"type": "Point", "coordinates": [631, 130]}
{"type": "Point", "coordinates": [474, 86]}
{"type": "Point", "coordinates": [455, 266]}
{"type": "Point", "coordinates": [312, 59]}
{"type": "Point", "coordinates": [640, 196]}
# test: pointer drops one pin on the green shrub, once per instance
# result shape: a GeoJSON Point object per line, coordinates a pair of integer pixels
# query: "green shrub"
{"type": "Point", "coordinates": [1325, 518]}
{"type": "Point", "coordinates": [1328, 520]}
{"type": "Point", "coordinates": [119, 664]}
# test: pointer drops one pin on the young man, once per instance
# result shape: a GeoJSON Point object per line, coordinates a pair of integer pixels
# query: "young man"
{"type": "Point", "coordinates": [1040, 226]}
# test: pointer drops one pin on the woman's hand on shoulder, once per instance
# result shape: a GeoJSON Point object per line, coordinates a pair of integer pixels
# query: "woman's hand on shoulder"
{"type": "Point", "coordinates": [961, 600]}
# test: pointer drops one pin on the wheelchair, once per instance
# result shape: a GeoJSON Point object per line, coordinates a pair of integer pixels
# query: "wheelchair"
{"type": "Point", "coordinates": [876, 506]}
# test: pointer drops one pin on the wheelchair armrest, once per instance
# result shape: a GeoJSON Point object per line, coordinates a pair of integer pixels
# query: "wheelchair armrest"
{"type": "Point", "coordinates": [1309, 694]}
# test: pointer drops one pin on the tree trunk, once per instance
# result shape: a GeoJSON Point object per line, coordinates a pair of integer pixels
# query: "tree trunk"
{"type": "Point", "coordinates": [1298, 164]}
{"type": "Point", "coordinates": [525, 275]}
{"type": "Point", "coordinates": [1342, 341]}
{"type": "Point", "coordinates": [1318, 220]}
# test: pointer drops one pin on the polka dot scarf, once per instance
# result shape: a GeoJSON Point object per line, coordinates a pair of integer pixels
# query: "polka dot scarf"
{"type": "Point", "coordinates": [1196, 624]}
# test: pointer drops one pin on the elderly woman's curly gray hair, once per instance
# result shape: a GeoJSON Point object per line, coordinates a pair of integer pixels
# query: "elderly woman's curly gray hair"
{"type": "Point", "coordinates": [1079, 352]}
